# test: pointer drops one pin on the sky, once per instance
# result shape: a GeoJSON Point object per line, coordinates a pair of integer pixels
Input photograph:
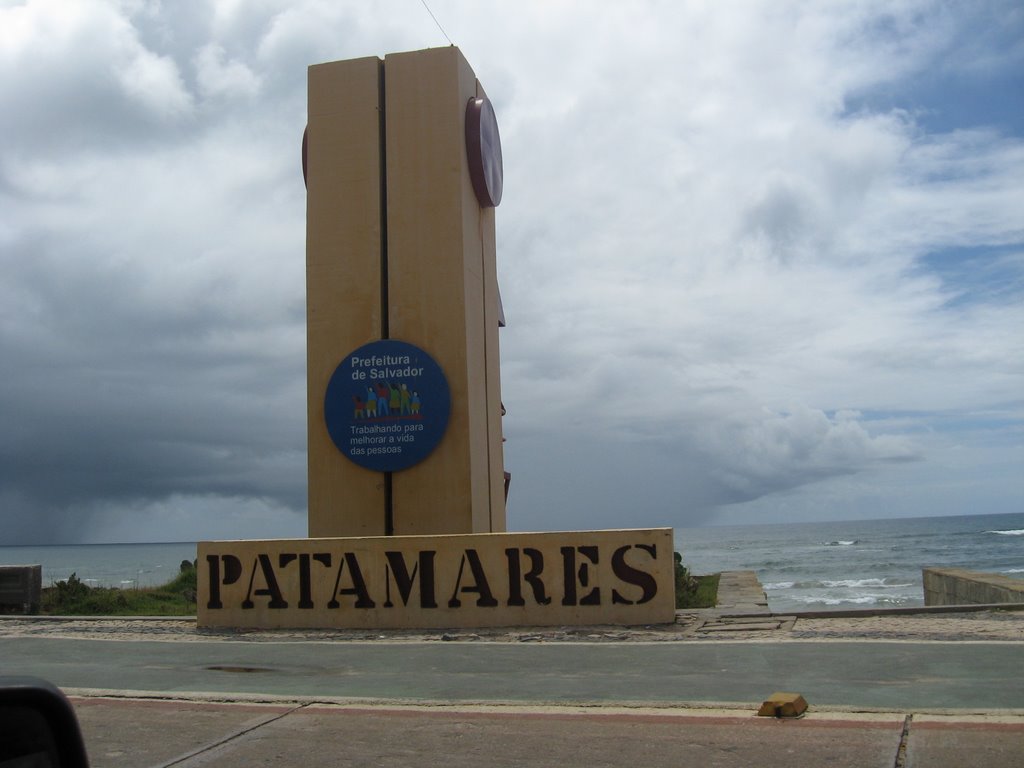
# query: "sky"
{"type": "Point", "coordinates": [761, 262]}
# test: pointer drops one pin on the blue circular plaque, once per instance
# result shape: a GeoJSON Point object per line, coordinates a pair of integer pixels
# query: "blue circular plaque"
{"type": "Point", "coordinates": [387, 405]}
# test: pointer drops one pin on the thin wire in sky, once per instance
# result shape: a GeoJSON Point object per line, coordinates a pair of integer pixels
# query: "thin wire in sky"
{"type": "Point", "coordinates": [437, 22]}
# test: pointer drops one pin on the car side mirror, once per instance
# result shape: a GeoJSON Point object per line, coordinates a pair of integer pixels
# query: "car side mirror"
{"type": "Point", "coordinates": [38, 727]}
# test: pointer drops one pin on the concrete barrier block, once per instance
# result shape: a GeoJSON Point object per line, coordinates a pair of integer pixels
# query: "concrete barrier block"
{"type": "Point", "coordinates": [21, 588]}
{"type": "Point", "coordinates": [782, 704]}
{"type": "Point", "coordinates": [957, 586]}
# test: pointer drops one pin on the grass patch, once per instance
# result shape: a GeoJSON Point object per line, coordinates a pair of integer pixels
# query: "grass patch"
{"type": "Point", "coordinates": [707, 592]}
{"type": "Point", "coordinates": [73, 598]}
{"type": "Point", "coordinates": [694, 591]}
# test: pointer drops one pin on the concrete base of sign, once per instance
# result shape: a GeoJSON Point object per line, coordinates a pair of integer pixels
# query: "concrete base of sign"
{"type": "Point", "coordinates": [472, 580]}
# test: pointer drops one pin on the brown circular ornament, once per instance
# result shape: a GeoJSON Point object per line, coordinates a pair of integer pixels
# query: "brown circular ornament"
{"type": "Point", "coordinates": [305, 155]}
{"type": "Point", "coordinates": [483, 149]}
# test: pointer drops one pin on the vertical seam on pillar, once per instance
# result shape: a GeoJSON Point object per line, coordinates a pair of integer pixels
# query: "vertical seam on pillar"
{"type": "Point", "coordinates": [383, 154]}
{"type": "Point", "coordinates": [385, 324]}
{"type": "Point", "coordinates": [487, 352]}
{"type": "Point", "coordinates": [487, 382]}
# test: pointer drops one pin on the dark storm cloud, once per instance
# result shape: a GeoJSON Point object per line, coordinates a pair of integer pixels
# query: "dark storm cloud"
{"type": "Point", "coordinates": [109, 399]}
{"type": "Point", "coordinates": [145, 355]}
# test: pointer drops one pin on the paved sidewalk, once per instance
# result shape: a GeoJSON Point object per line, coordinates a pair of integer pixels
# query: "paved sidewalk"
{"type": "Point", "coordinates": [188, 734]}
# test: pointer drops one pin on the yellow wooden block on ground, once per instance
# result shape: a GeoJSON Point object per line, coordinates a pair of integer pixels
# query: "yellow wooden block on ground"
{"type": "Point", "coordinates": [782, 704]}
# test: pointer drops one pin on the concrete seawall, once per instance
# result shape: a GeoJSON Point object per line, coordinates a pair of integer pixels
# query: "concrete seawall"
{"type": "Point", "coordinates": [740, 592]}
{"type": "Point", "coordinates": [956, 586]}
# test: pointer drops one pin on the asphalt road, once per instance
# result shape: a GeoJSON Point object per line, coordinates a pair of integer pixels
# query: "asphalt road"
{"type": "Point", "coordinates": [911, 676]}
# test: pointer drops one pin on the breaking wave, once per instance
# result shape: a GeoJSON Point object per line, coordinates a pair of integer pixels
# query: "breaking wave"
{"type": "Point", "coordinates": [860, 600]}
{"type": "Point", "coordinates": [1011, 532]}
{"type": "Point", "coordinates": [858, 583]}
{"type": "Point", "coordinates": [838, 583]}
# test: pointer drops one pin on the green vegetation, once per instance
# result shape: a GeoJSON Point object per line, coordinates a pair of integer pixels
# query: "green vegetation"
{"type": "Point", "coordinates": [694, 591]}
{"type": "Point", "coordinates": [73, 598]}
{"type": "Point", "coordinates": [707, 592]}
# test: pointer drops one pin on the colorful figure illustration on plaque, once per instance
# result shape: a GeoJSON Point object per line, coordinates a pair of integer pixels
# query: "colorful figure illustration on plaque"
{"type": "Point", "coordinates": [406, 401]}
{"type": "Point", "coordinates": [383, 395]}
{"type": "Point", "coordinates": [385, 401]}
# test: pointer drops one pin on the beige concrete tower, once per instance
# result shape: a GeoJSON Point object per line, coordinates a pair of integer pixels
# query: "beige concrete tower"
{"type": "Point", "coordinates": [399, 246]}
{"type": "Point", "coordinates": [406, 481]}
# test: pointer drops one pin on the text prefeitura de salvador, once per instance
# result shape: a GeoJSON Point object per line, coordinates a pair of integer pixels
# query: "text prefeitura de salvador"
{"type": "Point", "coordinates": [383, 373]}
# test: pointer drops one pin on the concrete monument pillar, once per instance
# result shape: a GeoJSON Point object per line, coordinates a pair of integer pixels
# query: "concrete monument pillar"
{"type": "Point", "coordinates": [400, 246]}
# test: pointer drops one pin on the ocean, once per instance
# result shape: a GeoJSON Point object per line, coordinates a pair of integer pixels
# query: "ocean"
{"type": "Point", "coordinates": [855, 564]}
{"type": "Point", "coordinates": [803, 566]}
{"type": "Point", "coordinates": [105, 565]}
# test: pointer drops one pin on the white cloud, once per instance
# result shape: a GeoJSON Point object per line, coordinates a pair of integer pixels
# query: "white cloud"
{"type": "Point", "coordinates": [154, 82]}
{"type": "Point", "coordinates": [73, 76]}
{"type": "Point", "coordinates": [715, 251]}
{"type": "Point", "coordinates": [219, 77]}
{"type": "Point", "coordinates": [762, 453]}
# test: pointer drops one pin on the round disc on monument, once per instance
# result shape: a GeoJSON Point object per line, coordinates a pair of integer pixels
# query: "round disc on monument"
{"type": "Point", "coordinates": [483, 150]}
{"type": "Point", "coordinates": [387, 405]}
